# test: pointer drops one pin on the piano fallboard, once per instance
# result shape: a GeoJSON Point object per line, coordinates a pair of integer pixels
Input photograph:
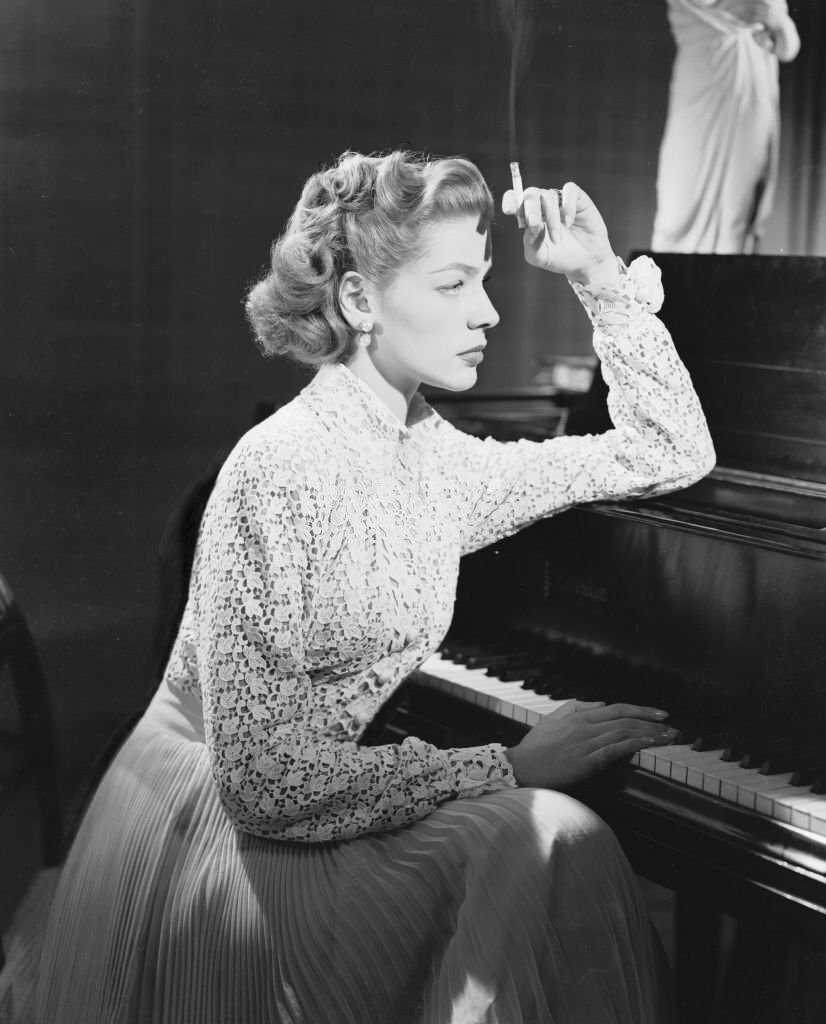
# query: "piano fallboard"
{"type": "Point", "coordinates": [725, 606]}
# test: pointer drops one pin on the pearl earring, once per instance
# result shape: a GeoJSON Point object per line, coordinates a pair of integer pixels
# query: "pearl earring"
{"type": "Point", "coordinates": [365, 327]}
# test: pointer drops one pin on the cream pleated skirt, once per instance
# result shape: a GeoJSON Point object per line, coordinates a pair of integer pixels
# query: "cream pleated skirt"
{"type": "Point", "coordinates": [514, 907]}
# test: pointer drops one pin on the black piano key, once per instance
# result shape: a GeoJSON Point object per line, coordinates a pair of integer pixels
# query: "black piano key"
{"type": "Point", "coordinates": [707, 740]}
{"type": "Point", "coordinates": [494, 659]}
{"type": "Point", "coordinates": [455, 641]}
{"type": "Point", "coordinates": [783, 738]}
{"type": "Point", "coordinates": [510, 674]}
{"type": "Point", "coordinates": [690, 725]}
{"type": "Point", "coordinates": [458, 652]}
{"type": "Point", "coordinates": [538, 684]}
{"type": "Point", "coordinates": [788, 746]}
{"type": "Point", "coordinates": [555, 686]}
{"type": "Point", "coordinates": [544, 687]}
{"type": "Point", "coordinates": [476, 653]}
{"type": "Point", "coordinates": [687, 731]}
{"type": "Point", "coordinates": [587, 690]}
{"type": "Point", "coordinates": [794, 760]}
{"type": "Point", "coordinates": [759, 748]}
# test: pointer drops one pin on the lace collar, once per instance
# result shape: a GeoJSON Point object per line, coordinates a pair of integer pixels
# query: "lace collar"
{"type": "Point", "coordinates": [337, 393]}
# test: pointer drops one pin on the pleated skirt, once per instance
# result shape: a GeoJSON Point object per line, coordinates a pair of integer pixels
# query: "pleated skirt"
{"type": "Point", "coordinates": [514, 907]}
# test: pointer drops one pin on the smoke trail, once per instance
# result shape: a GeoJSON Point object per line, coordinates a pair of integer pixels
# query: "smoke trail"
{"type": "Point", "coordinates": [517, 18]}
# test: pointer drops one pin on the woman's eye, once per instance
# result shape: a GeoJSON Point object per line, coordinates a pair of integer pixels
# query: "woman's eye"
{"type": "Point", "coordinates": [452, 289]}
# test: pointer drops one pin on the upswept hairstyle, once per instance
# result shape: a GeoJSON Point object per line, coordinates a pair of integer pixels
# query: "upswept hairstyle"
{"type": "Point", "coordinates": [364, 213]}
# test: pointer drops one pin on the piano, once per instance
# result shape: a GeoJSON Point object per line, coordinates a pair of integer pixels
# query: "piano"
{"type": "Point", "coordinates": [709, 602]}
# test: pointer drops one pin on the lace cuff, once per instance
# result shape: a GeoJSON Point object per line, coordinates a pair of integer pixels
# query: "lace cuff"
{"type": "Point", "coordinates": [481, 769]}
{"type": "Point", "coordinates": [638, 290]}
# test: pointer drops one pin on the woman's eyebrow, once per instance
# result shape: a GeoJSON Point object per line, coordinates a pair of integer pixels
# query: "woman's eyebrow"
{"type": "Point", "coordinates": [466, 268]}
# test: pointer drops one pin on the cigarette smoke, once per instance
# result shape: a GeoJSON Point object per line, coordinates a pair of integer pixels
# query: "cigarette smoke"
{"type": "Point", "coordinates": [517, 18]}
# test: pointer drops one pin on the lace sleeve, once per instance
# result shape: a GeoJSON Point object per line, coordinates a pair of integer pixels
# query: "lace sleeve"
{"type": "Point", "coordinates": [282, 765]}
{"type": "Point", "coordinates": [659, 442]}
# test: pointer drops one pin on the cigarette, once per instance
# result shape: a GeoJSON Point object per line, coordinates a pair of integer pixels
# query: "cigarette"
{"type": "Point", "coordinates": [516, 178]}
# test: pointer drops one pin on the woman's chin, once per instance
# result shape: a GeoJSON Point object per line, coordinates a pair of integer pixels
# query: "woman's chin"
{"type": "Point", "coordinates": [457, 380]}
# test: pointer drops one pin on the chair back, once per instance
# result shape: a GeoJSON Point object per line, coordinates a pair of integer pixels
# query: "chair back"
{"type": "Point", "coordinates": [176, 552]}
{"type": "Point", "coordinates": [30, 746]}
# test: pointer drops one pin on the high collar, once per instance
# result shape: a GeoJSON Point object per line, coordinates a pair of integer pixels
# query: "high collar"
{"type": "Point", "coordinates": [336, 392]}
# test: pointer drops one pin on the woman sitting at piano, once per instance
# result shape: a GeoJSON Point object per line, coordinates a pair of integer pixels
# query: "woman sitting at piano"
{"type": "Point", "coordinates": [245, 860]}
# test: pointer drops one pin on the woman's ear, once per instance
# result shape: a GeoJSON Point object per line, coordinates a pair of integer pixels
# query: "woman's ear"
{"type": "Point", "coordinates": [354, 299]}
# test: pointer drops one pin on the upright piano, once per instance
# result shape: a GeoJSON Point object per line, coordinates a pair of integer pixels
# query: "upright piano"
{"type": "Point", "coordinates": [709, 602]}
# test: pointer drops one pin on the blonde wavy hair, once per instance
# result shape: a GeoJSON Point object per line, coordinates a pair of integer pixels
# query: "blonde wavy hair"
{"type": "Point", "coordinates": [364, 213]}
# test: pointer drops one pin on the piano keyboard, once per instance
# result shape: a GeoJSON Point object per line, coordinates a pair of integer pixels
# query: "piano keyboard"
{"type": "Point", "coordinates": [772, 796]}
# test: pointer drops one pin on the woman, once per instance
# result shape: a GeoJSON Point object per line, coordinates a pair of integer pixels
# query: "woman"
{"type": "Point", "coordinates": [245, 860]}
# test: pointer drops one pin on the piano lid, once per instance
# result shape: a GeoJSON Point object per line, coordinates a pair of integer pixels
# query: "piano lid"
{"type": "Point", "coordinates": [752, 333]}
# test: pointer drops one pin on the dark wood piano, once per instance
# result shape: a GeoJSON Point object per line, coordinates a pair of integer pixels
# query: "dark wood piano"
{"type": "Point", "coordinates": [709, 602]}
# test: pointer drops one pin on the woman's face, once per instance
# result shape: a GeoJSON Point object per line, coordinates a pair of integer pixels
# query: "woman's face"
{"type": "Point", "coordinates": [430, 320]}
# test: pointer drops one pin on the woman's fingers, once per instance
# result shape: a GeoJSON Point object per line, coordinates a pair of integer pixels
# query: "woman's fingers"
{"type": "Point", "coordinates": [532, 209]}
{"type": "Point", "coordinates": [612, 711]}
{"type": "Point", "coordinates": [568, 203]}
{"type": "Point", "coordinates": [622, 744]}
{"type": "Point", "coordinates": [540, 207]}
{"type": "Point", "coordinates": [550, 199]}
{"type": "Point", "coordinates": [577, 705]}
{"type": "Point", "coordinates": [511, 206]}
{"type": "Point", "coordinates": [621, 750]}
{"type": "Point", "coordinates": [631, 729]}
{"type": "Point", "coordinates": [509, 203]}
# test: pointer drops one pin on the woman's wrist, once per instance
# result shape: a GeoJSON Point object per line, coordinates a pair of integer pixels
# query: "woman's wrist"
{"type": "Point", "coordinates": [599, 276]}
{"type": "Point", "coordinates": [635, 288]}
{"type": "Point", "coordinates": [512, 756]}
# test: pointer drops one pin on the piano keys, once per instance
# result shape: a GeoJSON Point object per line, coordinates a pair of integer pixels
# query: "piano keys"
{"type": "Point", "coordinates": [784, 796]}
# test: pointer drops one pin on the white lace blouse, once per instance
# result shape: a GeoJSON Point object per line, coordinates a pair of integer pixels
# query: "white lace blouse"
{"type": "Point", "coordinates": [327, 564]}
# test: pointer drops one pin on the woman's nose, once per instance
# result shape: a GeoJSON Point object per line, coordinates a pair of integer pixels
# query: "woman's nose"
{"type": "Point", "coordinates": [485, 316]}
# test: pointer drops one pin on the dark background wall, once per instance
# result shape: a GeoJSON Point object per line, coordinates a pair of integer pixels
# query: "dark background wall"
{"type": "Point", "coordinates": [149, 152]}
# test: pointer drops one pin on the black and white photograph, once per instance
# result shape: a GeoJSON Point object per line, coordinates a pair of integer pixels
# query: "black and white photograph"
{"type": "Point", "coordinates": [413, 512]}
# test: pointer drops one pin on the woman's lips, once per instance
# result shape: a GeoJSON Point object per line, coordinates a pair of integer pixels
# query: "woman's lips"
{"type": "Point", "coordinates": [474, 356]}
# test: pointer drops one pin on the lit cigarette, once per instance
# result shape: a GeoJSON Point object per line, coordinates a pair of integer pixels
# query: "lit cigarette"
{"type": "Point", "coordinates": [516, 178]}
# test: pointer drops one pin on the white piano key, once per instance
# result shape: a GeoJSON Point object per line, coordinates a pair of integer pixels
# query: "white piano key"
{"type": "Point", "coordinates": [696, 763]}
{"type": "Point", "coordinates": [790, 799]}
{"type": "Point", "coordinates": [765, 787]}
{"type": "Point", "coordinates": [508, 699]}
{"type": "Point", "coordinates": [725, 779]}
{"type": "Point", "coordinates": [745, 797]}
{"type": "Point", "coordinates": [647, 759]}
{"type": "Point", "coordinates": [808, 809]}
{"type": "Point", "coordinates": [666, 756]}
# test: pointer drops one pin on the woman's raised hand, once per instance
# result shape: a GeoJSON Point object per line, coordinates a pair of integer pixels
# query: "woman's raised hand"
{"type": "Point", "coordinates": [582, 738]}
{"type": "Point", "coordinates": [565, 233]}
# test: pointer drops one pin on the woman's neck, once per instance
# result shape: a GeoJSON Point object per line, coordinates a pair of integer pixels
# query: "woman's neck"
{"type": "Point", "coordinates": [396, 396]}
